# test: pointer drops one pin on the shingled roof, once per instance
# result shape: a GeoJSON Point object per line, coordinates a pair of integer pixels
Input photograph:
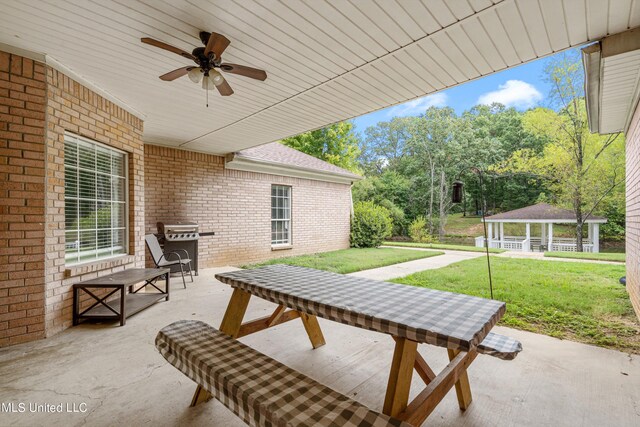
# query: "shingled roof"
{"type": "Point", "coordinates": [541, 212]}
{"type": "Point", "coordinates": [277, 153]}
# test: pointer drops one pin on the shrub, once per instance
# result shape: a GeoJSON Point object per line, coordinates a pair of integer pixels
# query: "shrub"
{"type": "Point", "coordinates": [370, 225]}
{"type": "Point", "coordinates": [397, 216]}
{"type": "Point", "coordinates": [418, 231]}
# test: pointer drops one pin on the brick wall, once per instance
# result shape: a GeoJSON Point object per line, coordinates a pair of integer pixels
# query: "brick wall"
{"type": "Point", "coordinates": [22, 183]}
{"type": "Point", "coordinates": [236, 205]}
{"type": "Point", "coordinates": [74, 108]}
{"type": "Point", "coordinates": [633, 210]}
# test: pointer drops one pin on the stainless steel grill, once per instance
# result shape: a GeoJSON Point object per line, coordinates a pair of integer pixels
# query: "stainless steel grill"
{"type": "Point", "coordinates": [179, 231]}
{"type": "Point", "coordinates": [178, 235]}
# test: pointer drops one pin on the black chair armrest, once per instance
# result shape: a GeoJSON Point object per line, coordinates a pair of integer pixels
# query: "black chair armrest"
{"type": "Point", "coordinates": [166, 256]}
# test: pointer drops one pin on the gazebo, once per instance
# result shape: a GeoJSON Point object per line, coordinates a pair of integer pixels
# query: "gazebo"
{"type": "Point", "coordinates": [544, 215]}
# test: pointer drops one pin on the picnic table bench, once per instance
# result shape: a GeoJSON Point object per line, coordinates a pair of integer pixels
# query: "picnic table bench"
{"type": "Point", "coordinates": [411, 315]}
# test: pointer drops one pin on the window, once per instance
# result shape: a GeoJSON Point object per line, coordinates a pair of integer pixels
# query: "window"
{"type": "Point", "coordinates": [95, 196]}
{"type": "Point", "coordinates": [280, 215]}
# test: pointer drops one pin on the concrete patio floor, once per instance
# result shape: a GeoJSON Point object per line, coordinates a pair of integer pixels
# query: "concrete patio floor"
{"type": "Point", "coordinates": [122, 379]}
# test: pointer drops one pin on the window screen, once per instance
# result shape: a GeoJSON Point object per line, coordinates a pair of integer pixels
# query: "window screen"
{"type": "Point", "coordinates": [280, 215]}
{"type": "Point", "coordinates": [95, 195]}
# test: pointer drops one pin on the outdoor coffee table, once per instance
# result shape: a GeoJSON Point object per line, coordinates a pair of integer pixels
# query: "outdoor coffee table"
{"type": "Point", "coordinates": [127, 304]}
{"type": "Point", "coordinates": [411, 315]}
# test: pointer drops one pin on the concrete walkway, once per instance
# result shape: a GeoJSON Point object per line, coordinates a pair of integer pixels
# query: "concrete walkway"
{"type": "Point", "coordinates": [405, 268]}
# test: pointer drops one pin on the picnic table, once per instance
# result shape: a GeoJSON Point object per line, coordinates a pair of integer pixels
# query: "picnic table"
{"type": "Point", "coordinates": [411, 315]}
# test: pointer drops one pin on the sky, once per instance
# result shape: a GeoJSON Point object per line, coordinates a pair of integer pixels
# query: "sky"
{"type": "Point", "coordinates": [521, 87]}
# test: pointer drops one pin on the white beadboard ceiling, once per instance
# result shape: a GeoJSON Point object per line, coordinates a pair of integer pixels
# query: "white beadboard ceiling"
{"type": "Point", "coordinates": [327, 60]}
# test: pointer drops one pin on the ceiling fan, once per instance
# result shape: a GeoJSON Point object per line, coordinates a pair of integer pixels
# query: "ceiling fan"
{"type": "Point", "coordinates": [207, 59]}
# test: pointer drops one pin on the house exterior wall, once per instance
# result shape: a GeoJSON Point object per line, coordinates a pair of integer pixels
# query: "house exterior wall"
{"type": "Point", "coordinates": [633, 210]}
{"type": "Point", "coordinates": [22, 189]}
{"type": "Point", "coordinates": [71, 107]}
{"type": "Point", "coordinates": [236, 205]}
{"type": "Point", "coordinates": [38, 104]}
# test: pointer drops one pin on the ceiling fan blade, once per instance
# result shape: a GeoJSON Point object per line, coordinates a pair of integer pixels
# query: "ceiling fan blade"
{"type": "Point", "coordinates": [168, 47]}
{"type": "Point", "coordinates": [172, 75]}
{"type": "Point", "coordinates": [243, 70]}
{"type": "Point", "coordinates": [224, 89]}
{"type": "Point", "coordinates": [217, 44]}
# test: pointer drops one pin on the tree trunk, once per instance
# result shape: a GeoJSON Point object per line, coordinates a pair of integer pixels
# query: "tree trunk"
{"type": "Point", "coordinates": [430, 214]}
{"type": "Point", "coordinates": [443, 206]}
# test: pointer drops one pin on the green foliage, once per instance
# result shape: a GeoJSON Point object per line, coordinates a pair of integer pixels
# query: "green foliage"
{"type": "Point", "coordinates": [418, 231]}
{"type": "Point", "coordinates": [397, 216]}
{"type": "Point", "coordinates": [579, 301]}
{"type": "Point", "coordinates": [336, 144]}
{"type": "Point", "coordinates": [350, 260]}
{"type": "Point", "coordinates": [370, 225]}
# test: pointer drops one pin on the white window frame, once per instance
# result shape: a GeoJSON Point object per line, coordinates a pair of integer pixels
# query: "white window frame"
{"type": "Point", "coordinates": [275, 243]}
{"type": "Point", "coordinates": [110, 254]}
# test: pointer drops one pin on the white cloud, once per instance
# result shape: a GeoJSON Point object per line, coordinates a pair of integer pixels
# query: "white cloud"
{"type": "Point", "coordinates": [514, 93]}
{"type": "Point", "coordinates": [418, 106]}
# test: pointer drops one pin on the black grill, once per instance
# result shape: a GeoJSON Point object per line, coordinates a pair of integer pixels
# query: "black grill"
{"type": "Point", "coordinates": [180, 235]}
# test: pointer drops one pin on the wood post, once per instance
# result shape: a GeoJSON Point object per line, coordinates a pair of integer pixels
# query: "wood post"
{"type": "Point", "coordinates": [312, 327]}
{"type": "Point", "coordinates": [404, 357]}
{"type": "Point", "coordinates": [463, 389]}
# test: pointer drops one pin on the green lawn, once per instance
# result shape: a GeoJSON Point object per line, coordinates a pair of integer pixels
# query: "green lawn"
{"type": "Point", "coordinates": [350, 260]}
{"type": "Point", "coordinates": [601, 256]}
{"type": "Point", "coordinates": [577, 301]}
{"type": "Point", "coordinates": [442, 246]}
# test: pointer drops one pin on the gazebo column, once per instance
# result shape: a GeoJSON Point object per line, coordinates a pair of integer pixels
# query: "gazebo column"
{"type": "Point", "coordinates": [596, 237]}
{"type": "Point", "coordinates": [489, 234]}
{"type": "Point", "coordinates": [501, 235]}
{"type": "Point", "coordinates": [550, 236]}
{"type": "Point", "coordinates": [543, 233]}
{"type": "Point", "coordinates": [527, 248]}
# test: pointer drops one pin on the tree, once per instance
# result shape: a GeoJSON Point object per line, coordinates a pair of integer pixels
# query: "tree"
{"type": "Point", "coordinates": [337, 144]}
{"type": "Point", "coordinates": [582, 169]}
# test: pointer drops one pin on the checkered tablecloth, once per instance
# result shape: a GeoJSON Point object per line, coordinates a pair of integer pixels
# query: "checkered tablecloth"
{"type": "Point", "coordinates": [444, 319]}
{"type": "Point", "coordinates": [261, 391]}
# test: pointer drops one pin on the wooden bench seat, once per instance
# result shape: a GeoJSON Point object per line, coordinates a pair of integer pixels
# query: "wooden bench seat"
{"type": "Point", "coordinates": [258, 389]}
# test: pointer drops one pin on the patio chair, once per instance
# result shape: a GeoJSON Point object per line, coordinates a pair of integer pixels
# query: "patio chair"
{"type": "Point", "coordinates": [161, 259]}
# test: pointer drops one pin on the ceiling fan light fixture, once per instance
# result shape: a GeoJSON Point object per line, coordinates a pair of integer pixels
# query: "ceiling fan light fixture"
{"type": "Point", "coordinates": [207, 83]}
{"type": "Point", "coordinates": [216, 78]}
{"type": "Point", "coordinates": [195, 74]}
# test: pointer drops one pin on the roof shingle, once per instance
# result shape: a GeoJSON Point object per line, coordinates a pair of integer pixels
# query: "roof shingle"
{"type": "Point", "coordinates": [276, 152]}
{"type": "Point", "coordinates": [541, 211]}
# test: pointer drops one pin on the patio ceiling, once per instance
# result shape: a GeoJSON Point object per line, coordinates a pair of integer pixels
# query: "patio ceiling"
{"type": "Point", "coordinates": [327, 60]}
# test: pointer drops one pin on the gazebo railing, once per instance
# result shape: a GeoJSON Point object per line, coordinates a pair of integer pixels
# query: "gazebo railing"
{"type": "Point", "coordinates": [522, 244]}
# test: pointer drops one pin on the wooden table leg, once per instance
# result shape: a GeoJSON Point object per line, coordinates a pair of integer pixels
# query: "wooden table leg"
{"type": "Point", "coordinates": [404, 357]}
{"type": "Point", "coordinates": [231, 323]}
{"type": "Point", "coordinates": [312, 327]}
{"type": "Point", "coordinates": [463, 389]}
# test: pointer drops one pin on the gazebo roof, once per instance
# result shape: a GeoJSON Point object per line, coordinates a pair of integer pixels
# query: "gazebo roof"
{"type": "Point", "coordinates": [541, 212]}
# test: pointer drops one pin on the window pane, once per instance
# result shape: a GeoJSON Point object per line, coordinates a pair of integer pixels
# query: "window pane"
{"type": "Point", "coordinates": [118, 189]}
{"type": "Point", "coordinates": [71, 182]}
{"type": "Point", "coordinates": [103, 215]}
{"type": "Point", "coordinates": [104, 239]}
{"type": "Point", "coordinates": [103, 187]}
{"type": "Point", "coordinates": [87, 245]}
{"type": "Point", "coordinates": [118, 215]}
{"type": "Point", "coordinates": [87, 155]}
{"type": "Point", "coordinates": [103, 160]}
{"type": "Point", "coordinates": [70, 153]}
{"type": "Point", "coordinates": [118, 237]}
{"type": "Point", "coordinates": [71, 246]}
{"type": "Point", "coordinates": [117, 164]}
{"type": "Point", "coordinates": [71, 214]}
{"type": "Point", "coordinates": [87, 215]}
{"type": "Point", "coordinates": [87, 185]}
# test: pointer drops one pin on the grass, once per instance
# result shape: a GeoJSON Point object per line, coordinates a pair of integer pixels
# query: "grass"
{"type": "Point", "coordinates": [442, 246]}
{"type": "Point", "coordinates": [350, 260]}
{"type": "Point", "coordinates": [576, 301]}
{"type": "Point", "coordinates": [601, 256]}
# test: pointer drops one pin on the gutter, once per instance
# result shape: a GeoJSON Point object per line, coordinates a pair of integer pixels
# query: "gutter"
{"type": "Point", "coordinates": [233, 161]}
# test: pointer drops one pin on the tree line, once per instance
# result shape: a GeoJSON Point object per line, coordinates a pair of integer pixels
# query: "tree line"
{"type": "Point", "coordinates": [544, 154]}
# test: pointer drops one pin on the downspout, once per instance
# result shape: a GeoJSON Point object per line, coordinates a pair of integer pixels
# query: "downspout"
{"type": "Point", "coordinates": [351, 199]}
